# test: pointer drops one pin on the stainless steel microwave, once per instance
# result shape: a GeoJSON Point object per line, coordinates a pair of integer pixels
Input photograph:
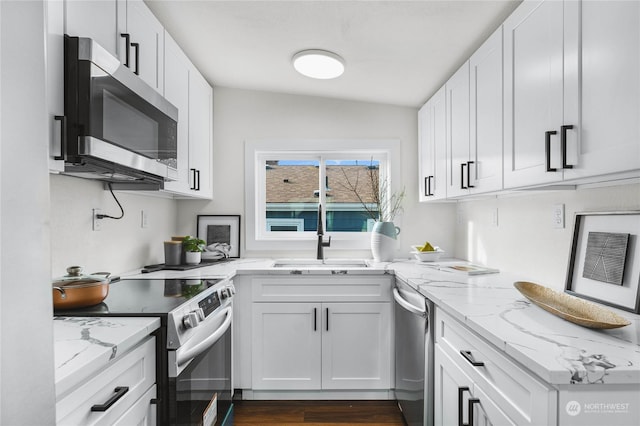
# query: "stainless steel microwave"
{"type": "Point", "coordinates": [116, 128]}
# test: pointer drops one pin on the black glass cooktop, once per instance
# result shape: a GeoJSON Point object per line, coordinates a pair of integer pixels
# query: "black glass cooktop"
{"type": "Point", "coordinates": [141, 297]}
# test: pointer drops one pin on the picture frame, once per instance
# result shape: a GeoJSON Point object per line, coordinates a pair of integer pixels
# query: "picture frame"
{"type": "Point", "coordinates": [220, 229]}
{"type": "Point", "coordinates": [604, 264]}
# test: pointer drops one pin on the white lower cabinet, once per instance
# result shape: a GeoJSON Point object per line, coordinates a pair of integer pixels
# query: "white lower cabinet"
{"type": "Point", "coordinates": [477, 385]}
{"type": "Point", "coordinates": [123, 393]}
{"type": "Point", "coordinates": [313, 341]}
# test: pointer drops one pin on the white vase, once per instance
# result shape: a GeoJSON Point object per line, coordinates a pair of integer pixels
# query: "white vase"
{"type": "Point", "coordinates": [383, 241]}
{"type": "Point", "coordinates": [193, 257]}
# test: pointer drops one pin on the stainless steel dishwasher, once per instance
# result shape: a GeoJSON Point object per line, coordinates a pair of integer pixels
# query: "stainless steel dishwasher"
{"type": "Point", "coordinates": [414, 355]}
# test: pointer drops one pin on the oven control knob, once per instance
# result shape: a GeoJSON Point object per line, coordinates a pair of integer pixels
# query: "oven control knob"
{"type": "Point", "coordinates": [190, 320]}
{"type": "Point", "coordinates": [200, 314]}
{"type": "Point", "coordinates": [224, 293]}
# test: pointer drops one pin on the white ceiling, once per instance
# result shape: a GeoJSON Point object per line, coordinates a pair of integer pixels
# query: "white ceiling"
{"type": "Point", "coordinates": [396, 52]}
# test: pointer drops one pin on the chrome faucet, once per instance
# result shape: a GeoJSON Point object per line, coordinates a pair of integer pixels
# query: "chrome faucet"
{"type": "Point", "coordinates": [321, 243]}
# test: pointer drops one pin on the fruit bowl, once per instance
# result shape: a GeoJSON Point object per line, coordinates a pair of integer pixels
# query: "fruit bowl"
{"type": "Point", "coordinates": [427, 256]}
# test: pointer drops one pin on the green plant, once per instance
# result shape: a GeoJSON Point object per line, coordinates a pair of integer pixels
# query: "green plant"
{"type": "Point", "coordinates": [193, 244]}
{"type": "Point", "coordinates": [384, 204]}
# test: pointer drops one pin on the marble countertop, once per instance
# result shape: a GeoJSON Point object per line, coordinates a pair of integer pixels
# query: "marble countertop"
{"type": "Point", "coordinates": [559, 352]}
{"type": "Point", "coordinates": [84, 346]}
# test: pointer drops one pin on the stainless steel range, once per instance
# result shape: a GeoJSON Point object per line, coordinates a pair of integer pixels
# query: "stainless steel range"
{"type": "Point", "coordinates": [193, 343]}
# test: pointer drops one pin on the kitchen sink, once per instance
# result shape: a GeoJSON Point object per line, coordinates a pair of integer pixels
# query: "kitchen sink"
{"type": "Point", "coordinates": [318, 263]}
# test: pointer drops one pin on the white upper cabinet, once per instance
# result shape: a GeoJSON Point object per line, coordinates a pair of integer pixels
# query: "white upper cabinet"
{"type": "Point", "coordinates": [432, 148]}
{"type": "Point", "coordinates": [533, 58]}
{"type": "Point", "coordinates": [176, 90]}
{"type": "Point", "coordinates": [142, 42]}
{"type": "Point", "coordinates": [200, 135]}
{"type": "Point", "coordinates": [95, 19]}
{"type": "Point", "coordinates": [572, 91]}
{"type": "Point", "coordinates": [458, 163]}
{"type": "Point", "coordinates": [602, 87]}
{"type": "Point", "coordinates": [54, 10]}
{"type": "Point", "coordinates": [485, 107]}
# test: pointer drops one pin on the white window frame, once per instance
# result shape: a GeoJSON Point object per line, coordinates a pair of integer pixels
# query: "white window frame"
{"type": "Point", "coordinates": [387, 151]}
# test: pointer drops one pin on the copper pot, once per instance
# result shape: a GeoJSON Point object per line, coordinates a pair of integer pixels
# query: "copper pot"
{"type": "Point", "coordinates": [76, 290]}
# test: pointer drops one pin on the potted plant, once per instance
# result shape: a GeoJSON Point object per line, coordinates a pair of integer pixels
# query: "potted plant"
{"type": "Point", "coordinates": [382, 205]}
{"type": "Point", "coordinates": [193, 248]}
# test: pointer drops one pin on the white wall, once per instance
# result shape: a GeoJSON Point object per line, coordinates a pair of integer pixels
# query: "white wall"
{"type": "Point", "coordinates": [525, 241]}
{"type": "Point", "coordinates": [26, 336]}
{"type": "Point", "coordinates": [122, 245]}
{"type": "Point", "coordinates": [241, 115]}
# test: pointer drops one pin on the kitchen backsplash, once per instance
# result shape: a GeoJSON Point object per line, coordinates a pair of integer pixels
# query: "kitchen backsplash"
{"type": "Point", "coordinates": [525, 240]}
{"type": "Point", "coordinates": [121, 245]}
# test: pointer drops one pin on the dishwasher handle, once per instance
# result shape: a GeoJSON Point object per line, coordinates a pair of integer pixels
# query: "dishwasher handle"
{"type": "Point", "coordinates": [422, 312]}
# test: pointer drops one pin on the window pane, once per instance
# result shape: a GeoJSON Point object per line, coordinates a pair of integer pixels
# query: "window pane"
{"type": "Point", "coordinates": [292, 195]}
{"type": "Point", "coordinates": [352, 186]}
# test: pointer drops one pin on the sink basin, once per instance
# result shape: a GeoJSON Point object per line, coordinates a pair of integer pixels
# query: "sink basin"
{"type": "Point", "coordinates": [317, 263]}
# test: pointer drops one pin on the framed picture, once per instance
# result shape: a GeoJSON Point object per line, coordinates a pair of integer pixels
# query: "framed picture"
{"type": "Point", "coordinates": [604, 265]}
{"type": "Point", "coordinates": [220, 229]}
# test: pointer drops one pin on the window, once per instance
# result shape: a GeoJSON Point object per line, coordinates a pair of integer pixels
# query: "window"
{"type": "Point", "coordinates": [288, 180]}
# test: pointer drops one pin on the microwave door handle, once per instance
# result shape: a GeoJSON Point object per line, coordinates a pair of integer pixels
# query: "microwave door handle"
{"type": "Point", "coordinates": [182, 357]}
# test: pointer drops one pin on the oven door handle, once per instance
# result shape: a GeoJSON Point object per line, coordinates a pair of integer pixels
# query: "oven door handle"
{"type": "Point", "coordinates": [182, 357]}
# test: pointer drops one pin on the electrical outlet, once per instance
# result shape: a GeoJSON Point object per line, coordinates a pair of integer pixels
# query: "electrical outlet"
{"type": "Point", "coordinates": [144, 219]}
{"type": "Point", "coordinates": [558, 216]}
{"type": "Point", "coordinates": [494, 217]}
{"type": "Point", "coordinates": [97, 223]}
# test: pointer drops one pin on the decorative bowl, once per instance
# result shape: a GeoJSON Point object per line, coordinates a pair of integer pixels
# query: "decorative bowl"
{"type": "Point", "coordinates": [427, 256]}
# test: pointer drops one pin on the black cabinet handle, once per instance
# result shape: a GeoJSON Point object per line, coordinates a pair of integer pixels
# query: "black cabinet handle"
{"type": "Point", "coordinates": [472, 402]}
{"type": "Point", "coordinates": [469, 163]}
{"type": "Point", "coordinates": [327, 311]}
{"type": "Point", "coordinates": [467, 355]}
{"type": "Point", "coordinates": [462, 166]}
{"type": "Point", "coordinates": [430, 189]}
{"type": "Point", "coordinates": [137, 68]}
{"type": "Point", "coordinates": [119, 393]}
{"type": "Point", "coordinates": [63, 136]}
{"type": "Point", "coordinates": [127, 40]}
{"type": "Point", "coordinates": [193, 176]}
{"type": "Point", "coordinates": [315, 319]}
{"type": "Point", "coordinates": [547, 149]}
{"type": "Point", "coordinates": [563, 145]}
{"type": "Point", "coordinates": [461, 391]}
{"type": "Point", "coordinates": [426, 186]}
{"type": "Point", "coordinates": [197, 180]}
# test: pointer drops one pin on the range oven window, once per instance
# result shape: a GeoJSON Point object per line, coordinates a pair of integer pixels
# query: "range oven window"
{"type": "Point", "coordinates": [192, 392]}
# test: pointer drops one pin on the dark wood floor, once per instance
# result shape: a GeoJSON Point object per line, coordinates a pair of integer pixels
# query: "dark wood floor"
{"type": "Point", "coordinates": [317, 413]}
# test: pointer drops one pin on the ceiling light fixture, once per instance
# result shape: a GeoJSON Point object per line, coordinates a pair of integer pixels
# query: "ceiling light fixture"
{"type": "Point", "coordinates": [320, 64]}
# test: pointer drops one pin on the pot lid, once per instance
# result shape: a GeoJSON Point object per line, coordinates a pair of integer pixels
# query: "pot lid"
{"type": "Point", "coordinates": [76, 278]}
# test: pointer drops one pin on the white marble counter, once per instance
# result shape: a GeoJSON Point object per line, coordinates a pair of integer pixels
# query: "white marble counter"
{"type": "Point", "coordinates": [558, 351]}
{"type": "Point", "coordinates": [85, 346]}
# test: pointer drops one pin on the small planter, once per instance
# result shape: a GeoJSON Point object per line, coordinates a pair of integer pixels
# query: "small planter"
{"type": "Point", "coordinates": [193, 257]}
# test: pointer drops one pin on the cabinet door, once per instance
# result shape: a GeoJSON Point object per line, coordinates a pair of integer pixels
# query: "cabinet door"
{"type": "Point", "coordinates": [432, 148]}
{"type": "Point", "coordinates": [96, 19]}
{"type": "Point", "coordinates": [55, 81]}
{"type": "Point", "coordinates": [457, 101]}
{"type": "Point", "coordinates": [147, 39]}
{"type": "Point", "coordinates": [485, 168]}
{"type": "Point", "coordinates": [356, 345]}
{"type": "Point", "coordinates": [533, 96]}
{"type": "Point", "coordinates": [602, 89]}
{"type": "Point", "coordinates": [286, 346]}
{"type": "Point", "coordinates": [452, 390]}
{"type": "Point", "coordinates": [176, 90]}
{"type": "Point", "coordinates": [200, 134]}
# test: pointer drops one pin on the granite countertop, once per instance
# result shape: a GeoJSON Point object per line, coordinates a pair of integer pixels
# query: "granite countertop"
{"type": "Point", "coordinates": [559, 352]}
{"type": "Point", "coordinates": [83, 346]}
